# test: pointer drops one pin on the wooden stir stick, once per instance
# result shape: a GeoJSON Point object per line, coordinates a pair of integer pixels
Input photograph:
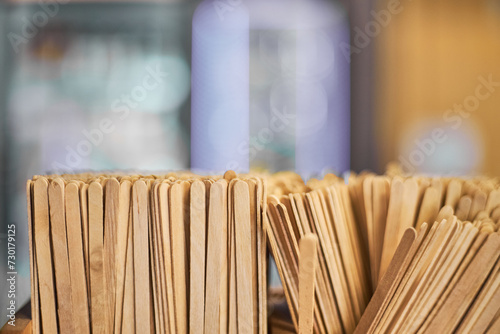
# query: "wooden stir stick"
{"type": "Point", "coordinates": [111, 213]}
{"type": "Point", "coordinates": [388, 282]}
{"type": "Point", "coordinates": [457, 303]}
{"type": "Point", "coordinates": [392, 224]}
{"type": "Point", "coordinates": [197, 259]}
{"type": "Point", "coordinates": [60, 247]}
{"type": "Point", "coordinates": [79, 295]}
{"type": "Point", "coordinates": [85, 229]}
{"type": "Point", "coordinates": [231, 259]}
{"type": "Point", "coordinates": [244, 277]}
{"type": "Point", "coordinates": [35, 307]}
{"type": "Point", "coordinates": [96, 242]}
{"type": "Point", "coordinates": [308, 263]}
{"type": "Point", "coordinates": [41, 232]}
{"type": "Point", "coordinates": [163, 198]}
{"type": "Point", "coordinates": [121, 250]}
{"type": "Point", "coordinates": [128, 318]}
{"type": "Point", "coordinates": [216, 254]}
{"type": "Point", "coordinates": [141, 257]}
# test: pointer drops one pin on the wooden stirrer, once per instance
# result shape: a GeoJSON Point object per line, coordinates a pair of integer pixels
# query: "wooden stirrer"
{"type": "Point", "coordinates": [79, 297]}
{"type": "Point", "coordinates": [244, 277]}
{"type": "Point", "coordinates": [141, 257]}
{"type": "Point", "coordinates": [41, 231]}
{"type": "Point", "coordinates": [112, 198]}
{"type": "Point", "coordinates": [197, 256]}
{"type": "Point", "coordinates": [96, 243]}
{"type": "Point", "coordinates": [60, 247]}
{"type": "Point", "coordinates": [308, 263]}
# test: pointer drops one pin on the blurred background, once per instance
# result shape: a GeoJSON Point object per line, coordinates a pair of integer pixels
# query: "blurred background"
{"type": "Point", "coordinates": [82, 86]}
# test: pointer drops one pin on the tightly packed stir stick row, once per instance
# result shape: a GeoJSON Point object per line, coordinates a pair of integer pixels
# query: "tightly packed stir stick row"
{"type": "Point", "coordinates": [181, 253]}
{"type": "Point", "coordinates": [175, 253]}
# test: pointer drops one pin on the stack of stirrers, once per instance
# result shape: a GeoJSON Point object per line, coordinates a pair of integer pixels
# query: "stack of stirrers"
{"type": "Point", "coordinates": [342, 289]}
{"type": "Point", "coordinates": [445, 279]}
{"type": "Point", "coordinates": [176, 253]}
{"type": "Point", "coordinates": [450, 283]}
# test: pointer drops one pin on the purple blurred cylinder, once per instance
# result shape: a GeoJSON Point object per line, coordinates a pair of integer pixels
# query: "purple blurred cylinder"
{"type": "Point", "coordinates": [322, 133]}
{"type": "Point", "coordinates": [220, 93]}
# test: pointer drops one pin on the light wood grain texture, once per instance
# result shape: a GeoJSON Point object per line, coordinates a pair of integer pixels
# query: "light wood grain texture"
{"type": "Point", "coordinates": [128, 319]}
{"type": "Point", "coordinates": [409, 205]}
{"type": "Point", "coordinates": [495, 325]}
{"type": "Point", "coordinates": [389, 282]}
{"type": "Point", "coordinates": [163, 197]}
{"type": "Point", "coordinates": [96, 245]}
{"type": "Point", "coordinates": [425, 273]}
{"type": "Point", "coordinates": [198, 225]}
{"type": "Point", "coordinates": [290, 272]}
{"type": "Point", "coordinates": [85, 229]}
{"type": "Point", "coordinates": [141, 257]}
{"type": "Point", "coordinates": [381, 190]}
{"type": "Point", "coordinates": [330, 319]}
{"type": "Point", "coordinates": [370, 228]}
{"type": "Point", "coordinates": [79, 296]}
{"type": "Point", "coordinates": [34, 304]}
{"type": "Point", "coordinates": [308, 263]}
{"type": "Point", "coordinates": [41, 230]}
{"type": "Point", "coordinates": [394, 304]}
{"type": "Point", "coordinates": [60, 249]}
{"type": "Point", "coordinates": [122, 229]}
{"type": "Point", "coordinates": [341, 197]}
{"type": "Point", "coordinates": [445, 213]}
{"type": "Point", "coordinates": [232, 326]}
{"type": "Point", "coordinates": [158, 322]}
{"type": "Point", "coordinates": [464, 264]}
{"type": "Point", "coordinates": [111, 213]}
{"type": "Point", "coordinates": [453, 193]}
{"type": "Point", "coordinates": [216, 256]}
{"type": "Point", "coordinates": [324, 293]}
{"type": "Point", "coordinates": [435, 290]}
{"type": "Point", "coordinates": [486, 305]}
{"type": "Point", "coordinates": [470, 282]}
{"type": "Point", "coordinates": [252, 189]}
{"type": "Point", "coordinates": [463, 207]}
{"type": "Point", "coordinates": [478, 204]}
{"type": "Point", "coordinates": [244, 264]}
{"type": "Point", "coordinates": [333, 262]}
{"type": "Point", "coordinates": [179, 254]}
{"type": "Point", "coordinates": [280, 263]}
{"type": "Point", "coordinates": [392, 224]}
{"type": "Point", "coordinates": [333, 206]}
{"type": "Point", "coordinates": [493, 200]}
{"type": "Point", "coordinates": [262, 255]}
{"type": "Point", "coordinates": [429, 208]}
{"type": "Point", "coordinates": [159, 268]}
{"type": "Point", "coordinates": [224, 282]}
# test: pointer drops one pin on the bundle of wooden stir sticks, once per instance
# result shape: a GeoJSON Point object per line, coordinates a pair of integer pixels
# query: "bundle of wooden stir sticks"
{"type": "Point", "coordinates": [175, 253]}
{"type": "Point", "coordinates": [444, 277]}
{"type": "Point", "coordinates": [182, 253]}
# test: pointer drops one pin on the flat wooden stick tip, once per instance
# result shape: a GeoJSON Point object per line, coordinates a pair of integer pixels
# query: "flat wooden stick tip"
{"type": "Point", "coordinates": [310, 239]}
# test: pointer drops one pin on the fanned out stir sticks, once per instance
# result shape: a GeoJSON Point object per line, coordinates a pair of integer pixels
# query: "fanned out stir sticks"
{"type": "Point", "coordinates": [175, 253]}
{"type": "Point", "coordinates": [396, 254]}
